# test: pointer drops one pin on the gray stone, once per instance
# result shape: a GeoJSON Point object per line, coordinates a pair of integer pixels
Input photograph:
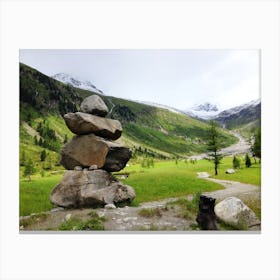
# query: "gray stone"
{"type": "Point", "coordinates": [88, 150]}
{"type": "Point", "coordinates": [93, 167]}
{"type": "Point", "coordinates": [78, 168]}
{"type": "Point", "coordinates": [67, 217]}
{"type": "Point", "coordinates": [83, 123]}
{"type": "Point", "coordinates": [230, 171]}
{"type": "Point", "coordinates": [94, 105]}
{"type": "Point", "coordinates": [234, 212]}
{"type": "Point", "coordinates": [90, 188]}
{"type": "Point", "coordinates": [110, 206]}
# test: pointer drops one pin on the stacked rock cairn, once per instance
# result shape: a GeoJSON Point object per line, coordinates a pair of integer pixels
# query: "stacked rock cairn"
{"type": "Point", "coordinates": [90, 157]}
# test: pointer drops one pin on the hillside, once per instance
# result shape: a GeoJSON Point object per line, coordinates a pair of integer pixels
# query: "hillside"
{"type": "Point", "coordinates": [148, 130]}
{"type": "Point", "coordinates": [246, 116]}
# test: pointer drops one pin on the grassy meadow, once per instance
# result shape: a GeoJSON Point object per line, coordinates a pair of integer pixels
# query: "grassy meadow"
{"type": "Point", "coordinates": [165, 179]}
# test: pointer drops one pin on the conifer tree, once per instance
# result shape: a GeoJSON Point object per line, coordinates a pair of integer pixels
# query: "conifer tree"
{"type": "Point", "coordinates": [247, 161]}
{"type": "Point", "coordinates": [214, 145]}
{"type": "Point", "coordinates": [29, 169]}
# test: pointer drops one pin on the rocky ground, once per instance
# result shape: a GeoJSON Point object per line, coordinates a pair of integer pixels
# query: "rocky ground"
{"type": "Point", "coordinates": [130, 219]}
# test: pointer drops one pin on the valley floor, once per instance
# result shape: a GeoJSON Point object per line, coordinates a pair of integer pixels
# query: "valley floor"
{"type": "Point", "coordinates": [165, 218]}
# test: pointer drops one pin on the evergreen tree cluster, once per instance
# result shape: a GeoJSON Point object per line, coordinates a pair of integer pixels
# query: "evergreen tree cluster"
{"type": "Point", "coordinates": [48, 138]}
{"type": "Point", "coordinates": [140, 152]}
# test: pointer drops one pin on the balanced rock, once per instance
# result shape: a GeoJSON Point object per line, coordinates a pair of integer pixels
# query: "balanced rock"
{"type": "Point", "coordinates": [234, 212]}
{"type": "Point", "coordinates": [83, 123]}
{"type": "Point", "coordinates": [90, 188]}
{"type": "Point", "coordinates": [94, 105]}
{"type": "Point", "coordinates": [88, 150]}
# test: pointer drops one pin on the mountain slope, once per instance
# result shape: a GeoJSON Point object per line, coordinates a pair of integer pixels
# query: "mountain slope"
{"type": "Point", "coordinates": [241, 115]}
{"type": "Point", "coordinates": [75, 82]}
{"type": "Point", "coordinates": [147, 129]}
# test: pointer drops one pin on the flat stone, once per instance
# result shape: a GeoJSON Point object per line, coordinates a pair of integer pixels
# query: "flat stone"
{"type": "Point", "coordinates": [94, 105]}
{"type": "Point", "coordinates": [83, 123]}
{"type": "Point", "coordinates": [88, 150]}
{"type": "Point", "coordinates": [93, 167]}
{"type": "Point", "coordinates": [110, 206]}
{"type": "Point", "coordinates": [78, 168]}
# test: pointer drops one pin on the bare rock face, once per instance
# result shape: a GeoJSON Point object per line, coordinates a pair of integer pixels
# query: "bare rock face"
{"type": "Point", "coordinates": [88, 150]}
{"type": "Point", "coordinates": [234, 212]}
{"type": "Point", "coordinates": [90, 188]}
{"type": "Point", "coordinates": [83, 123]}
{"type": "Point", "coordinates": [94, 105]}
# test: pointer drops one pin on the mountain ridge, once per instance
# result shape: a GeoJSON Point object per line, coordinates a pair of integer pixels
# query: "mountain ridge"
{"type": "Point", "coordinates": [155, 130]}
{"type": "Point", "coordinates": [75, 82]}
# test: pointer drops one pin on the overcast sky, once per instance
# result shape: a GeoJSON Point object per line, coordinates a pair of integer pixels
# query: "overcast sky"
{"type": "Point", "coordinates": [177, 78]}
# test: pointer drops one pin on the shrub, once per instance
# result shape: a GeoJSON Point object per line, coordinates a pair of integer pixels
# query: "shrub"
{"type": "Point", "coordinates": [247, 161]}
{"type": "Point", "coordinates": [94, 223]}
{"type": "Point", "coordinates": [236, 162]}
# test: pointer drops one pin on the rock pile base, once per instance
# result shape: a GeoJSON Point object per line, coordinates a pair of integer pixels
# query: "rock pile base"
{"type": "Point", "coordinates": [88, 188]}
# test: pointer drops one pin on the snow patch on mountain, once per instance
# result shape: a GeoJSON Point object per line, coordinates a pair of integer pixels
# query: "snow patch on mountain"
{"type": "Point", "coordinates": [171, 109]}
{"type": "Point", "coordinates": [75, 82]}
{"type": "Point", "coordinates": [238, 109]}
{"type": "Point", "coordinates": [204, 111]}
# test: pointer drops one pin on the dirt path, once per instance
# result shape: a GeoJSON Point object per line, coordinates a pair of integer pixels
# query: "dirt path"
{"type": "Point", "coordinates": [128, 218]}
{"type": "Point", "coordinates": [242, 147]}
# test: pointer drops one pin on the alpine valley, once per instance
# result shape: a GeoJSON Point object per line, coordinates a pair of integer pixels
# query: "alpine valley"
{"type": "Point", "coordinates": [148, 129]}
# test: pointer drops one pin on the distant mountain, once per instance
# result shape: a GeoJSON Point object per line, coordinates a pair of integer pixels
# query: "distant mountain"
{"type": "Point", "coordinates": [75, 82]}
{"type": "Point", "coordinates": [171, 109]}
{"type": "Point", "coordinates": [204, 111]}
{"type": "Point", "coordinates": [147, 130]}
{"type": "Point", "coordinates": [240, 115]}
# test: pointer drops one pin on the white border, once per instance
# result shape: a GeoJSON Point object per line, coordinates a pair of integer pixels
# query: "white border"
{"type": "Point", "coordinates": [124, 24]}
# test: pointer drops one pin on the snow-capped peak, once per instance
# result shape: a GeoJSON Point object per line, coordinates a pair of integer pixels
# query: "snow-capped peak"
{"type": "Point", "coordinates": [206, 107]}
{"type": "Point", "coordinates": [75, 82]}
{"type": "Point", "coordinates": [203, 111]}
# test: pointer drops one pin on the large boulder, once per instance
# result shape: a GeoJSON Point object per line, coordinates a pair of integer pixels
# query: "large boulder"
{"type": "Point", "coordinates": [90, 188]}
{"type": "Point", "coordinates": [94, 105]}
{"type": "Point", "coordinates": [83, 123]}
{"type": "Point", "coordinates": [88, 150]}
{"type": "Point", "coordinates": [234, 212]}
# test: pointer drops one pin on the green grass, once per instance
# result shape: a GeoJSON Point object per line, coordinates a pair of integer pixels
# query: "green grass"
{"type": "Point", "coordinates": [251, 175]}
{"type": "Point", "coordinates": [35, 195]}
{"type": "Point", "coordinates": [167, 179]}
{"type": "Point", "coordinates": [188, 208]}
{"type": "Point", "coordinates": [93, 223]}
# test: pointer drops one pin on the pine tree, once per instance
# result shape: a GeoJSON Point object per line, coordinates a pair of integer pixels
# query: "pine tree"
{"type": "Point", "coordinates": [29, 169]}
{"type": "Point", "coordinates": [23, 159]}
{"type": "Point", "coordinates": [236, 162]}
{"type": "Point", "coordinates": [43, 155]}
{"type": "Point", "coordinates": [256, 145]}
{"type": "Point", "coordinates": [247, 161]}
{"type": "Point", "coordinates": [214, 145]}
